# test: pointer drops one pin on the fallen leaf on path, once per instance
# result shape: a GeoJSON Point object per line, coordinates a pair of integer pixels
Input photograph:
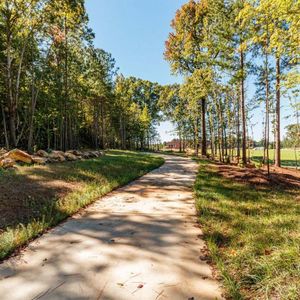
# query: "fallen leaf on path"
{"type": "Point", "coordinates": [138, 287]}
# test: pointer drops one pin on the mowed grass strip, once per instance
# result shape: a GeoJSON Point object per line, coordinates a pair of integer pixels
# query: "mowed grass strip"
{"type": "Point", "coordinates": [253, 235]}
{"type": "Point", "coordinates": [289, 157]}
{"type": "Point", "coordinates": [33, 199]}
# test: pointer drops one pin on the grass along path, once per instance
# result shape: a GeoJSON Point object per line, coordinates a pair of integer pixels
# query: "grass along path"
{"type": "Point", "coordinates": [33, 199]}
{"type": "Point", "coordinates": [289, 157]}
{"type": "Point", "coordinates": [253, 234]}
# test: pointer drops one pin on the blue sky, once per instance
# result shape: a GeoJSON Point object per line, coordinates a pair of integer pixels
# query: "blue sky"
{"type": "Point", "coordinates": [134, 32]}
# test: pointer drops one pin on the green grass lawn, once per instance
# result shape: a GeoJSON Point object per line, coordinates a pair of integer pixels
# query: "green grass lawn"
{"type": "Point", "coordinates": [172, 152]}
{"type": "Point", "coordinates": [35, 198]}
{"type": "Point", "coordinates": [288, 158]}
{"type": "Point", "coordinates": [253, 235]}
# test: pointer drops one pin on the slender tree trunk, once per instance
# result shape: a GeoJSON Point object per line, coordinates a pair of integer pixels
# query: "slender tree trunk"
{"type": "Point", "coordinates": [277, 116]}
{"type": "Point", "coordinates": [243, 111]}
{"type": "Point", "coordinates": [238, 133]}
{"type": "Point", "coordinates": [180, 143]}
{"type": "Point", "coordinates": [203, 110]}
{"type": "Point", "coordinates": [222, 142]}
{"type": "Point", "coordinates": [66, 87]}
{"type": "Point", "coordinates": [34, 95]}
{"type": "Point", "coordinates": [48, 134]}
{"type": "Point", "coordinates": [219, 142]}
{"type": "Point", "coordinates": [267, 115]}
{"type": "Point", "coordinates": [196, 132]}
{"type": "Point", "coordinates": [212, 138]}
{"type": "Point", "coordinates": [102, 124]}
{"type": "Point", "coordinates": [225, 142]}
{"type": "Point", "coordinates": [96, 124]}
{"type": "Point", "coordinates": [11, 101]}
{"type": "Point", "coordinates": [31, 129]}
{"type": "Point", "coordinates": [5, 128]}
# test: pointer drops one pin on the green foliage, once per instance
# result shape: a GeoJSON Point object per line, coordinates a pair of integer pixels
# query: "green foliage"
{"type": "Point", "coordinates": [216, 45]}
{"type": "Point", "coordinates": [57, 90]}
{"type": "Point", "coordinates": [138, 111]}
{"type": "Point", "coordinates": [292, 138]}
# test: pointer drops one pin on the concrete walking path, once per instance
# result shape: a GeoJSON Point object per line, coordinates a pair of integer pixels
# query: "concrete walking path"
{"type": "Point", "coordinates": [140, 242]}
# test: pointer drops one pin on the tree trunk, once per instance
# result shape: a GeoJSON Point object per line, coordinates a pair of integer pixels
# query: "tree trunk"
{"type": "Point", "coordinates": [243, 111]}
{"type": "Point", "coordinates": [66, 87]}
{"type": "Point", "coordinates": [102, 124]}
{"type": "Point", "coordinates": [204, 148]}
{"type": "Point", "coordinates": [238, 133]}
{"type": "Point", "coordinates": [219, 142]}
{"type": "Point", "coordinates": [277, 116]}
{"type": "Point", "coordinates": [30, 135]}
{"type": "Point", "coordinates": [11, 102]}
{"type": "Point", "coordinates": [180, 142]}
{"type": "Point", "coordinates": [34, 95]}
{"type": "Point", "coordinates": [5, 128]}
{"type": "Point", "coordinates": [196, 138]}
{"type": "Point", "coordinates": [212, 138]}
{"type": "Point", "coordinates": [267, 115]}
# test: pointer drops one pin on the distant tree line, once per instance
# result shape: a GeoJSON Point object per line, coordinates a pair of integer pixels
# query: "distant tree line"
{"type": "Point", "coordinates": [58, 91]}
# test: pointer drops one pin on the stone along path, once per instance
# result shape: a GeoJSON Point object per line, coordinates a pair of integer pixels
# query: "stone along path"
{"type": "Point", "coordinates": [141, 242]}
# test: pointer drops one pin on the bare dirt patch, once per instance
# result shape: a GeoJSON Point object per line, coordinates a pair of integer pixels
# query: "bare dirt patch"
{"type": "Point", "coordinates": [23, 196]}
{"type": "Point", "coordinates": [279, 177]}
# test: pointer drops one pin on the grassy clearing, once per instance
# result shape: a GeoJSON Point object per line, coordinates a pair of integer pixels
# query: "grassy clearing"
{"type": "Point", "coordinates": [253, 235]}
{"type": "Point", "coordinates": [172, 152]}
{"type": "Point", "coordinates": [288, 157]}
{"type": "Point", "coordinates": [37, 198]}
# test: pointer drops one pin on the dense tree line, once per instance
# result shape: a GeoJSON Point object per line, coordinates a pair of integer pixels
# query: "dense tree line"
{"type": "Point", "coordinates": [57, 91]}
{"type": "Point", "coordinates": [217, 45]}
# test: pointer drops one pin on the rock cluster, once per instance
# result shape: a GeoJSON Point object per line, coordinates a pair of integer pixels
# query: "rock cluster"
{"type": "Point", "coordinates": [8, 159]}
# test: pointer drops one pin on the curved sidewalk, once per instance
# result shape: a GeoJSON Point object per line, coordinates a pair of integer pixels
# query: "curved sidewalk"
{"type": "Point", "coordinates": [141, 242]}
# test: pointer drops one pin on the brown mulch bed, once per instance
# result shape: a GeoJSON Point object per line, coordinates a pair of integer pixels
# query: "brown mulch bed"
{"type": "Point", "coordinates": [279, 177]}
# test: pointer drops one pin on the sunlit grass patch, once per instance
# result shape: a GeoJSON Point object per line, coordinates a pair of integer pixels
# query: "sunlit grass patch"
{"type": "Point", "coordinates": [253, 235]}
{"type": "Point", "coordinates": [49, 194]}
{"type": "Point", "coordinates": [289, 157]}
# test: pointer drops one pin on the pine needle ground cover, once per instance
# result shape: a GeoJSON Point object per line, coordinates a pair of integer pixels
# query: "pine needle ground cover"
{"type": "Point", "coordinates": [33, 199]}
{"type": "Point", "coordinates": [253, 234]}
